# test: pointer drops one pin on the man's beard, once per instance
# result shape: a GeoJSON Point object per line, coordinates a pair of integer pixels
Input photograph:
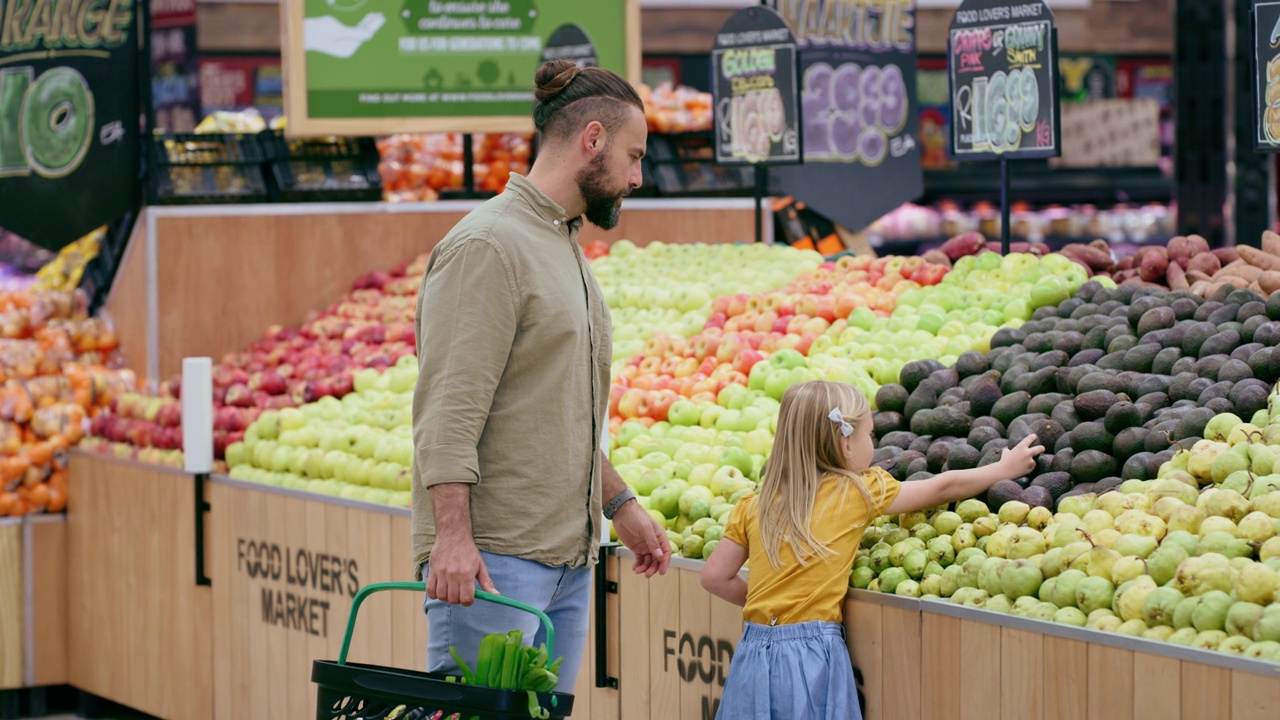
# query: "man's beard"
{"type": "Point", "coordinates": [604, 206]}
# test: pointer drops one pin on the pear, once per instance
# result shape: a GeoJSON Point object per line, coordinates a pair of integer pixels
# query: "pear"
{"type": "Point", "coordinates": [947, 522]}
{"type": "Point", "coordinates": [924, 531]}
{"type": "Point", "coordinates": [999, 603]}
{"type": "Point", "coordinates": [1014, 511]}
{"type": "Point", "coordinates": [1209, 639]}
{"type": "Point", "coordinates": [1179, 460]}
{"type": "Point", "coordinates": [1039, 517]}
{"type": "Point", "coordinates": [1189, 542]}
{"type": "Point", "coordinates": [1233, 460]}
{"type": "Point", "coordinates": [1070, 616]}
{"type": "Point", "coordinates": [1140, 522]}
{"type": "Point", "coordinates": [1271, 433]}
{"type": "Point", "coordinates": [1162, 565]}
{"type": "Point", "coordinates": [1160, 606]}
{"type": "Point", "coordinates": [989, 575]}
{"type": "Point", "coordinates": [985, 525]}
{"type": "Point", "coordinates": [1242, 618]}
{"type": "Point", "coordinates": [1020, 578]}
{"type": "Point", "coordinates": [977, 598]}
{"type": "Point", "coordinates": [1128, 568]}
{"type": "Point", "coordinates": [1169, 489]}
{"type": "Point", "coordinates": [931, 585]}
{"type": "Point", "coordinates": [1265, 650]}
{"type": "Point", "coordinates": [1025, 543]}
{"type": "Point", "coordinates": [972, 509]}
{"type": "Point", "coordinates": [932, 569]}
{"type": "Point", "coordinates": [1219, 428]}
{"type": "Point", "coordinates": [1263, 486]}
{"type": "Point", "coordinates": [1257, 583]}
{"type": "Point", "coordinates": [1051, 564]}
{"type": "Point", "coordinates": [1101, 561]}
{"type": "Point", "coordinates": [1117, 503]}
{"type": "Point", "coordinates": [1223, 503]}
{"type": "Point", "coordinates": [911, 519]}
{"type": "Point", "coordinates": [1185, 610]}
{"type": "Point", "coordinates": [1185, 517]}
{"type": "Point", "coordinates": [1211, 613]}
{"type": "Point", "coordinates": [1047, 589]}
{"type": "Point", "coordinates": [1105, 623]}
{"type": "Point", "coordinates": [1240, 481]}
{"type": "Point", "coordinates": [1077, 505]}
{"type": "Point", "coordinates": [1244, 434]}
{"type": "Point", "coordinates": [1043, 611]}
{"type": "Point", "coordinates": [914, 563]}
{"type": "Point", "coordinates": [998, 544]}
{"type": "Point", "coordinates": [1219, 524]}
{"type": "Point", "coordinates": [1134, 628]}
{"type": "Point", "coordinates": [1164, 505]}
{"type": "Point", "coordinates": [1133, 485]}
{"type": "Point", "coordinates": [1200, 462]}
{"type": "Point", "coordinates": [1270, 549]}
{"type": "Point", "coordinates": [1131, 597]}
{"type": "Point", "coordinates": [963, 556]}
{"type": "Point", "coordinates": [1262, 459]}
{"type": "Point", "coordinates": [1235, 645]}
{"type": "Point", "coordinates": [951, 580]}
{"type": "Point", "coordinates": [1097, 519]}
{"type": "Point", "coordinates": [1184, 636]}
{"type": "Point", "coordinates": [898, 553]}
{"type": "Point", "coordinates": [1225, 544]}
{"type": "Point", "coordinates": [1267, 628]}
{"type": "Point", "coordinates": [1023, 606]}
{"type": "Point", "coordinates": [1106, 537]}
{"type": "Point", "coordinates": [1094, 592]}
{"type": "Point", "coordinates": [1203, 574]}
{"type": "Point", "coordinates": [1257, 527]}
{"type": "Point", "coordinates": [963, 537]}
{"type": "Point", "coordinates": [1065, 587]}
{"type": "Point", "coordinates": [1181, 476]}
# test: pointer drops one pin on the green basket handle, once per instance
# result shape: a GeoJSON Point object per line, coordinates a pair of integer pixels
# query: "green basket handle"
{"type": "Point", "coordinates": [372, 588]}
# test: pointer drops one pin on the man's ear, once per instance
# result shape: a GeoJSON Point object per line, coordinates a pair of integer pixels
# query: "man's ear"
{"type": "Point", "coordinates": [593, 137]}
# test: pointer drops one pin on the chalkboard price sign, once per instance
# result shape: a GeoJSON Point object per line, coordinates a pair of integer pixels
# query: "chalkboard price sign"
{"type": "Point", "coordinates": [756, 108]}
{"type": "Point", "coordinates": [1266, 74]}
{"type": "Point", "coordinates": [1002, 65]}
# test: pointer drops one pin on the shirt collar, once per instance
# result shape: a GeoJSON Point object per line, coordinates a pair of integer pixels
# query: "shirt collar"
{"type": "Point", "coordinates": [543, 205]}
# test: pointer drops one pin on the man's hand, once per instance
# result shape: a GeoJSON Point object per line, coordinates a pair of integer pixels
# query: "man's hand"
{"type": "Point", "coordinates": [453, 570]}
{"type": "Point", "coordinates": [637, 530]}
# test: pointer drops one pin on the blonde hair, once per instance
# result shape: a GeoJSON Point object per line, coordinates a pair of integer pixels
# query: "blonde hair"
{"type": "Point", "coordinates": [806, 449]}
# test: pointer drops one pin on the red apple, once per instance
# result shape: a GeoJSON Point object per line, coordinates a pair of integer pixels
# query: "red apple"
{"type": "Point", "coordinates": [633, 403]}
{"type": "Point", "coordinates": [239, 395]}
{"type": "Point", "coordinates": [615, 394]}
{"type": "Point", "coordinates": [746, 359]}
{"type": "Point", "coordinates": [661, 403]}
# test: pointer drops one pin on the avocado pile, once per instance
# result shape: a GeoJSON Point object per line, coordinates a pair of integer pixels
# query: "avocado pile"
{"type": "Point", "coordinates": [1112, 381]}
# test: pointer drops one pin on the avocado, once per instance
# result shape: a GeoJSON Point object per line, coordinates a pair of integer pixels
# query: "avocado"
{"type": "Point", "coordinates": [1233, 325]}
{"type": "Point", "coordinates": [1129, 441]}
{"type": "Point", "coordinates": [1197, 335]}
{"type": "Point", "coordinates": [922, 422]}
{"type": "Point", "coordinates": [1149, 404]}
{"type": "Point", "coordinates": [1141, 357]}
{"type": "Point", "coordinates": [1173, 336]}
{"type": "Point", "coordinates": [1234, 371]}
{"type": "Point", "coordinates": [1107, 485]}
{"type": "Point", "coordinates": [915, 372]}
{"type": "Point", "coordinates": [1196, 387]}
{"type": "Point", "coordinates": [1108, 307]}
{"type": "Point", "coordinates": [1147, 384]}
{"type": "Point", "coordinates": [944, 377]}
{"type": "Point", "coordinates": [996, 445]}
{"type": "Point", "coordinates": [883, 457]}
{"type": "Point", "coordinates": [1092, 466]}
{"type": "Point", "coordinates": [1253, 308]}
{"type": "Point", "coordinates": [1184, 308]}
{"type": "Point", "coordinates": [1222, 343]}
{"type": "Point", "coordinates": [1083, 310]}
{"type": "Point", "coordinates": [1064, 443]}
{"type": "Point", "coordinates": [1037, 382]}
{"type": "Point", "coordinates": [1263, 366]}
{"type": "Point", "coordinates": [1045, 403]}
{"type": "Point", "coordinates": [1249, 328]}
{"type": "Point", "coordinates": [949, 421]}
{"type": "Point", "coordinates": [1097, 380]}
{"type": "Point", "coordinates": [951, 396]}
{"type": "Point", "coordinates": [1093, 292]}
{"type": "Point", "coordinates": [1249, 396]}
{"type": "Point", "coordinates": [1160, 436]}
{"type": "Point", "coordinates": [989, 457]}
{"type": "Point", "coordinates": [1001, 361]}
{"type": "Point", "coordinates": [980, 436]}
{"type": "Point", "coordinates": [1267, 334]}
{"type": "Point", "coordinates": [1005, 337]}
{"type": "Point", "coordinates": [1140, 307]}
{"type": "Point", "coordinates": [1051, 359]}
{"type": "Point", "coordinates": [1091, 436]}
{"type": "Point", "coordinates": [1044, 461]}
{"type": "Point", "coordinates": [937, 456]}
{"type": "Point", "coordinates": [1207, 308]}
{"type": "Point", "coordinates": [1117, 347]}
{"type": "Point", "coordinates": [1069, 306]}
{"type": "Point", "coordinates": [1117, 331]}
{"type": "Point", "coordinates": [983, 396]}
{"type": "Point", "coordinates": [1164, 360]}
{"type": "Point", "coordinates": [963, 456]}
{"type": "Point", "coordinates": [1064, 413]}
{"type": "Point", "coordinates": [1086, 357]}
{"type": "Point", "coordinates": [1180, 387]}
{"type": "Point", "coordinates": [1095, 339]}
{"type": "Point", "coordinates": [1220, 405]}
{"type": "Point", "coordinates": [1123, 414]}
{"type": "Point", "coordinates": [891, 398]}
{"type": "Point", "coordinates": [900, 439]}
{"type": "Point", "coordinates": [884, 423]}
{"type": "Point", "coordinates": [919, 475]}
{"type": "Point", "coordinates": [922, 398]}
{"type": "Point", "coordinates": [1273, 306]}
{"type": "Point", "coordinates": [1135, 468]}
{"type": "Point", "coordinates": [1057, 483]}
{"type": "Point", "coordinates": [1010, 406]}
{"type": "Point", "coordinates": [1036, 341]}
{"type": "Point", "coordinates": [1001, 493]}
{"type": "Point", "coordinates": [972, 362]}
{"type": "Point", "coordinates": [1183, 365]}
{"type": "Point", "coordinates": [991, 423]}
{"type": "Point", "coordinates": [1226, 313]}
{"type": "Point", "coordinates": [1243, 296]}
{"type": "Point", "coordinates": [1155, 337]}
{"type": "Point", "coordinates": [1094, 404]}
{"type": "Point", "coordinates": [1124, 382]}
{"type": "Point", "coordinates": [1069, 342]}
{"type": "Point", "coordinates": [1046, 431]}
{"type": "Point", "coordinates": [1221, 294]}
{"type": "Point", "coordinates": [1012, 377]}
{"type": "Point", "coordinates": [1062, 460]}
{"type": "Point", "coordinates": [1192, 424]}
{"type": "Point", "coordinates": [1037, 497]}
{"type": "Point", "coordinates": [1246, 351]}
{"type": "Point", "coordinates": [1157, 318]}
{"type": "Point", "coordinates": [921, 444]}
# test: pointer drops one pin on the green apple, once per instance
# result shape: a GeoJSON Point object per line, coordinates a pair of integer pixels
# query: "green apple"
{"type": "Point", "coordinates": [735, 457]}
{"type": "Point", "coordinates": [728, 480]}
{"type": "Point", "coordinates": [684, 412]}
{"type": "Point", "coordinates": [786, 359]}
{"type": "Point", "coordinates": [701, 474]}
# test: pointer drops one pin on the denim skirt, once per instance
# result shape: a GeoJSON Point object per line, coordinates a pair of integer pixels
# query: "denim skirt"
{"type": "Point", "coordinates": [790, 672]}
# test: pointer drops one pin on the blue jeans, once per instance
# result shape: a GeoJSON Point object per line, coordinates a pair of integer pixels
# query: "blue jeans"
{"type": "Point", "coordinates": [563, 593]}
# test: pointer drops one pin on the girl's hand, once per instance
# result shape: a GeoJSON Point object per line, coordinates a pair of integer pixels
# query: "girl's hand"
{"type": "Point", "coordinates": [1020, 460]}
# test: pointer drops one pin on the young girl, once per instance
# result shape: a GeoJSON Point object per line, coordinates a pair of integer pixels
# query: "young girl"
{"type": "Point", "coordinates": [798, 537]}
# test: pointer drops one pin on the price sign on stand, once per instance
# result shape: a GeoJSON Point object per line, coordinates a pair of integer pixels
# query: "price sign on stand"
{"type": "Point", "coordinates": [571, 42]}
{"type": "Point", "coordinates": [1266, 75]}
{"type": "Point", "coordinates": [857, 88]}
{"type": "Point", "coordinates": [755, 109]}
{"type": "Point", "coordinates": [1002, 67]}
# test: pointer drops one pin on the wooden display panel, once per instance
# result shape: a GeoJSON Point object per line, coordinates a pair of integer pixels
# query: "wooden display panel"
{"type": "Point", "coordinates": [140, 626]}
{"type": "Point", "coordinates": [45, 539]}
{"type": "Point", "coordinates": [11, 605]}
{"type": "Point", "coordinates": [205, 281]}
{"type": "Point", "coordinates": [986, 665]}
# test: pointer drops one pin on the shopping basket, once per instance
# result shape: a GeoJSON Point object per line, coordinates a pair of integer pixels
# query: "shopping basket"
{"type": "Point", "coordinates": [354, 691]}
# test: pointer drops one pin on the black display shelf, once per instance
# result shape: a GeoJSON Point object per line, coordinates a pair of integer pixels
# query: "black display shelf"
{"type": "Point", "coordinates": [916, 246]}
{"type": "Point", "coordinates": [1038, 183]}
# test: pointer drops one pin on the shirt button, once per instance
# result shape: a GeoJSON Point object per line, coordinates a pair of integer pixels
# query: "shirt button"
{"type": "Point", "coordinates": [555, 222]}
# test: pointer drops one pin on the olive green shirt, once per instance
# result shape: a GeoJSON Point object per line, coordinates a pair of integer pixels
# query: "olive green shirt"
{"type": "Point", "coordinates": [514, 348]}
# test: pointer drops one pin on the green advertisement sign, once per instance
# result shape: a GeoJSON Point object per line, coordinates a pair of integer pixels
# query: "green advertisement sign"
{"type": "Point", "coordinates": [440, 58]}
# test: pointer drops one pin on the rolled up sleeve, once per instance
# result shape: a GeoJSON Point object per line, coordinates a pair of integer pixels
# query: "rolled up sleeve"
{"type": "Point", "coordinates": [468, 312]}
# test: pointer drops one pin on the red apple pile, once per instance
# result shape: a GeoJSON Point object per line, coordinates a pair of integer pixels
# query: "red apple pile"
{"type": "Point", "coordinates": [745, 329]}
{"type": "Point", "coordinates": [369, 327]}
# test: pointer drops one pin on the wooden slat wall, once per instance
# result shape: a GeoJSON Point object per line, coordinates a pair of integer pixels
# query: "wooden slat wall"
{"type": "Point", "coordinates": [49, 593]}
{"type": "Point", "coordinates": [11, 605]}
{"type": "Point", "coordinates": [937, 667]}
{"type": "Point", "coordinates": [223, 278]}
{"type": "Point", "coordinates": [140, 627]}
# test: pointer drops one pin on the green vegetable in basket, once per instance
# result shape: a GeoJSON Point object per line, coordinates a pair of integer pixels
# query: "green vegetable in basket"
{"type": "Point", "coordinates": [506, 663]}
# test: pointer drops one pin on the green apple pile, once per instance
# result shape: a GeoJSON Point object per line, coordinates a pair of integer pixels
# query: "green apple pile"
{"type": "Point", "coordinates": [357, 448]}
{"type": "Point", "coordinates": [669, 287]}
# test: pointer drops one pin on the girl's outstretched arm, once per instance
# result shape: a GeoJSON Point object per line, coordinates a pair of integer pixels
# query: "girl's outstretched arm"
{"type": "Point", "coordinates": [720, 572]}
{"type": "Point", "coordinates": [960, 484]}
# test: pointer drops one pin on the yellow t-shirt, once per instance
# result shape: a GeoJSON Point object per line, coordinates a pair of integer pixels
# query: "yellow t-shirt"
{"type": "Point", "coordinates": [795, 593]}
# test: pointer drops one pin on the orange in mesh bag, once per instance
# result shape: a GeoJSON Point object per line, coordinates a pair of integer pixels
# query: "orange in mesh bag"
{"type": "Point", "coordinates": [64, 420]}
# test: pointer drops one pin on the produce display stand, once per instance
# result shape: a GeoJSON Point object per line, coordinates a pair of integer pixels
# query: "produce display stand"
{"type": "Point", "coordinates": [33, 603]}
{"type": "Point", "coordinates": [203, 280]}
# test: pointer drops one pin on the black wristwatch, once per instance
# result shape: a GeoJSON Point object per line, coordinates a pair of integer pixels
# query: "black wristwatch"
{"type": "Point", "coordinates": [611, 508]}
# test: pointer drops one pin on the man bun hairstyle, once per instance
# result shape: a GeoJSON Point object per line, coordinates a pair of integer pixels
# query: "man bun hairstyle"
{"type": "Point", "coordinates": [569, 97]}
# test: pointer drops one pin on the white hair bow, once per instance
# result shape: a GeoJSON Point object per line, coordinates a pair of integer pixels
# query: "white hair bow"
{"type": "Point", "coordinates": [836, 416]}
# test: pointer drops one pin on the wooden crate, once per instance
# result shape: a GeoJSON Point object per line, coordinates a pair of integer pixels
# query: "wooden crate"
{"type": "Point", "coordinates": [33, 601]}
